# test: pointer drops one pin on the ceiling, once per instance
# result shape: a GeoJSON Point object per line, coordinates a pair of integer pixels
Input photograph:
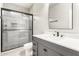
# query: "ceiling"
{"type": "Point", "coordinates": [25, 5]}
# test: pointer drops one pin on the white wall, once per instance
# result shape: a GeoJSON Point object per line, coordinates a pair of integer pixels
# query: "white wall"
{"type": "Point", "coordinates": [40, 12]}
{"type": "Point", "coordinates": [15, 7]}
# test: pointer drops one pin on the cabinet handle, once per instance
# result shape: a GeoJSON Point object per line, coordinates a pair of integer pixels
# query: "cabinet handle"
{"type": "Point", "coordinates": [34, 50]}
{"type": "Point", "coordinates": [45, 50]}
{"type": "Point", "coordinates": [34, 44]}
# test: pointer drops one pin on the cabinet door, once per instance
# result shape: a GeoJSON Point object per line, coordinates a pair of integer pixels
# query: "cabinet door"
{"type": "Point", "coordinates": [35, 46]}
{"type": "Point", "coordinates": [45, 51]}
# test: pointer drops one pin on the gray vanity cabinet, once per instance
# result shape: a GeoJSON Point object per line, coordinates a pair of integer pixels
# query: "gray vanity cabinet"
{"type": "Point", "coordinates": [44, 48]}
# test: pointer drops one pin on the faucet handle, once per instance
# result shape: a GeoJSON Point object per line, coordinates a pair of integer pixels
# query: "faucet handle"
{"type": "Point", "coordinates": [58, 34]}
{"type": "Point", "coordinates": [61, 35]}
{"type": "Point", "coordinates": [53, 34]}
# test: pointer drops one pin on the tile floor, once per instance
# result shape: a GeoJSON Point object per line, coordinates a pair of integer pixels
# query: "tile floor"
{"type": "Point", "coordinates": [21, 51]}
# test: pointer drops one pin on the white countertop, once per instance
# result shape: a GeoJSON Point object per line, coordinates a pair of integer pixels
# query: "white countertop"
{"type": "Point", "coordinates": [63, 41]}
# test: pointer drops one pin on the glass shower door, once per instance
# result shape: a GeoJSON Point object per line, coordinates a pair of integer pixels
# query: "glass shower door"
{"type": "Point", "coordinates": [16, 29]}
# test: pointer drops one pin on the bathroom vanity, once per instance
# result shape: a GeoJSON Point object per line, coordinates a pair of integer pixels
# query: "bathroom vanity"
{"type": "Point", "coordinates": [46, 45]}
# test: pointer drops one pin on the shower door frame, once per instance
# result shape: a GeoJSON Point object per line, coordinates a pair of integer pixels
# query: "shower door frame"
{"type": "Point", "coordinates": [2, 23]}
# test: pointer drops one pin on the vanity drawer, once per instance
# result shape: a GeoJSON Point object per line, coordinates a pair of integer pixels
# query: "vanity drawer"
{"type": "Point", "coordinates": [62, 50]}
{"type": "Point", "coordinates": [45, 51]}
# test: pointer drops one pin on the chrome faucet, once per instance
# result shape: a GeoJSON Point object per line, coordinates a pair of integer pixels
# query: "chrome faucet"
{"type": "Point", "coordinates": [57, 34]}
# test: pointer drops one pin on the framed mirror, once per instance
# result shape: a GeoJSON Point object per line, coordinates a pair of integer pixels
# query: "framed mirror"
{"type": "Point", "coordinates": [60, 16]}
